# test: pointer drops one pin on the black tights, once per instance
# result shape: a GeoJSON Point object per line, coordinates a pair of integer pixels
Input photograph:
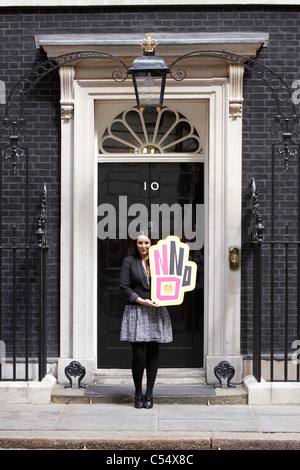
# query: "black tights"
{"type": "Point", "coordinates": [144, 355]}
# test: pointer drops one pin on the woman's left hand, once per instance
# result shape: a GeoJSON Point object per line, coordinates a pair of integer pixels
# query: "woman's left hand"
{"type": "Point", "coordinates": [150, 303]}
{"type": "Point", "coordinates": [146, 302]}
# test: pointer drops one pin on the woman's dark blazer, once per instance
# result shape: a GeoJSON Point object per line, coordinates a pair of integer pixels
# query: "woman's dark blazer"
{"type": "Point", "coordinates": [133, 281]}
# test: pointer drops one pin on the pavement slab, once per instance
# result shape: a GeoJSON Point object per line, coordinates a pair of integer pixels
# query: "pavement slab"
{"type": "Point", "coordinates": [29, 417]}
{"type": "Point", "coordinates": [121, 426]}
{"type": "Point", "coordinates": [277, 418]}
{"type": "Point", "coordinates": [206, 418]}
{"type": "Point", "coordinates": [106, 417]}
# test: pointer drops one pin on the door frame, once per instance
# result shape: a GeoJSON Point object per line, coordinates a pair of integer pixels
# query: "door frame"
{"type": "Point", "coordinates": [79, 220]}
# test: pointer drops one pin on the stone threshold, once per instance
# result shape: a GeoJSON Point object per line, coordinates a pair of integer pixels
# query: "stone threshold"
{"type": "Point", "coordinates": [163, 394]}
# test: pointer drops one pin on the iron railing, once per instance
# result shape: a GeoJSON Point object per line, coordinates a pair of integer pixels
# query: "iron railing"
{"type": "Point", "coordinates": [23, 250]}
{"type": "Point", "coordinates": [276, 300]}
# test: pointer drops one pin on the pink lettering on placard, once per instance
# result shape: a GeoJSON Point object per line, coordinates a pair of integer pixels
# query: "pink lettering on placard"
{"type": "Point", "coordinates": [172, 274]}
{"type": "Point", "coordinates": [161, 259]}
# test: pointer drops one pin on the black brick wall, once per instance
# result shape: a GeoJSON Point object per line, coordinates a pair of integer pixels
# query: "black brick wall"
{"type": "Point", "coordinates": [18, 55]}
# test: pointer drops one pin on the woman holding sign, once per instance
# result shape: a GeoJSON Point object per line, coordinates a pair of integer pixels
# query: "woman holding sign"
{"type": "Point", "coordinates": [144, 323]}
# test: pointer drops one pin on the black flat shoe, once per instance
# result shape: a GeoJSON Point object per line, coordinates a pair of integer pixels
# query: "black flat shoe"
{"type": "Point", "coordinates": [148, 402]}
{"type": "Point", "coordinates": [138, 402]}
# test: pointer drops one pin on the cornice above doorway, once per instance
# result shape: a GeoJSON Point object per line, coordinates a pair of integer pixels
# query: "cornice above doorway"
{"type": "Point", "coordinates": [169, 44]}
{"type": "Point", "coordinates": [170, 47]}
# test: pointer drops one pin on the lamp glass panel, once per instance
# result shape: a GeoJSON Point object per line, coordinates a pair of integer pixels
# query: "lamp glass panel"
{"type": "Point", "coordinates": [149, 90]}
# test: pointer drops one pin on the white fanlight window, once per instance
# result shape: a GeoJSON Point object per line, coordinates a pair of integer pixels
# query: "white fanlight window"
{"type": "Point", "coordinates": [150, 132]}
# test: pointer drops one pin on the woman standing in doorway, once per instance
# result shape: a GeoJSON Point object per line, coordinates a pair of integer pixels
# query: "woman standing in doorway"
{"type": "Point", "coordinates": [144, 323]}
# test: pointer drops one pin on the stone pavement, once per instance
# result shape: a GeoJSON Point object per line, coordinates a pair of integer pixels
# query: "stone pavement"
{"type": "Point", "coordinates": [114, 426]}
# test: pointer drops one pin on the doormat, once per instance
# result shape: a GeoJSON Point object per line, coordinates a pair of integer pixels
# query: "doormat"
{"type": "Point", "coordinates": [159, 390]}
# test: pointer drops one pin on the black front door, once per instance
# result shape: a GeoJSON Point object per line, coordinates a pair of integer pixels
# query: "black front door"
{"type": "Point", "coordinates": [125, 188]}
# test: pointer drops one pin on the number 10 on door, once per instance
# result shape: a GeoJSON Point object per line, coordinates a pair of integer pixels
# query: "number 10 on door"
{"type": "Point", "coordinates": [154, 185]}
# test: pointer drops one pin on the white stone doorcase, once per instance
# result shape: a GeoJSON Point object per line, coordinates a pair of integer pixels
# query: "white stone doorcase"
{"type": "Point", "coordinates": [219, 85]}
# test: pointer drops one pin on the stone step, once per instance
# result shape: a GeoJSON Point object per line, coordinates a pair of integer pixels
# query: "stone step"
{"type": "Point", "coordinates": [193, 376]}
{"type": "Point", "coordinates": [170, 394]}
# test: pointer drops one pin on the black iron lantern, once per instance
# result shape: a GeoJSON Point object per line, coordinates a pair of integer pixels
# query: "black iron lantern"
{"type": "Point", "coordinates": [149, 76]}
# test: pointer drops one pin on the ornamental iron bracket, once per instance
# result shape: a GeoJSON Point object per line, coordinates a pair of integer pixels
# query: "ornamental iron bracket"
{"type": "Point", "coordinates": [287, 147]}
{"type": "Point", "coordinates": [286, 117]}
{"type": "Point", "coordinates": [41, 233]}
{"type": "Point", "coordinates": [75, 369]}
{"type": "Point", "coordinates": [281, 92]}
{"type": "Point", "coordinates": [224, 371]}
{"type": "Point", "coordinates": [258, 227]}
{"type": "Point", "coordinates": [14, 124]}
{"type": "Point", "coordinates": [286, 111]}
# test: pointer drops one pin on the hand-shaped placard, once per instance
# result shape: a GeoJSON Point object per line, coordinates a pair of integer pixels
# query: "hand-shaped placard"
{"type": "Point", "coordinates": [172, 274]}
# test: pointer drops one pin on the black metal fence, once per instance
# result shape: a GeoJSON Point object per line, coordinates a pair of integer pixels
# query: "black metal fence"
{"type": "Point", "coordinates": [23, 250]}
{"type": "Point", "coordinates": [276, 325]}
{"type": "Point", "coordinates": [276, 267]}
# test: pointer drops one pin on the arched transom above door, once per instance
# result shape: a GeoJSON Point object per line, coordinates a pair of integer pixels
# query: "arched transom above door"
{"type": "Point", "coordinates": [150, 132]}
